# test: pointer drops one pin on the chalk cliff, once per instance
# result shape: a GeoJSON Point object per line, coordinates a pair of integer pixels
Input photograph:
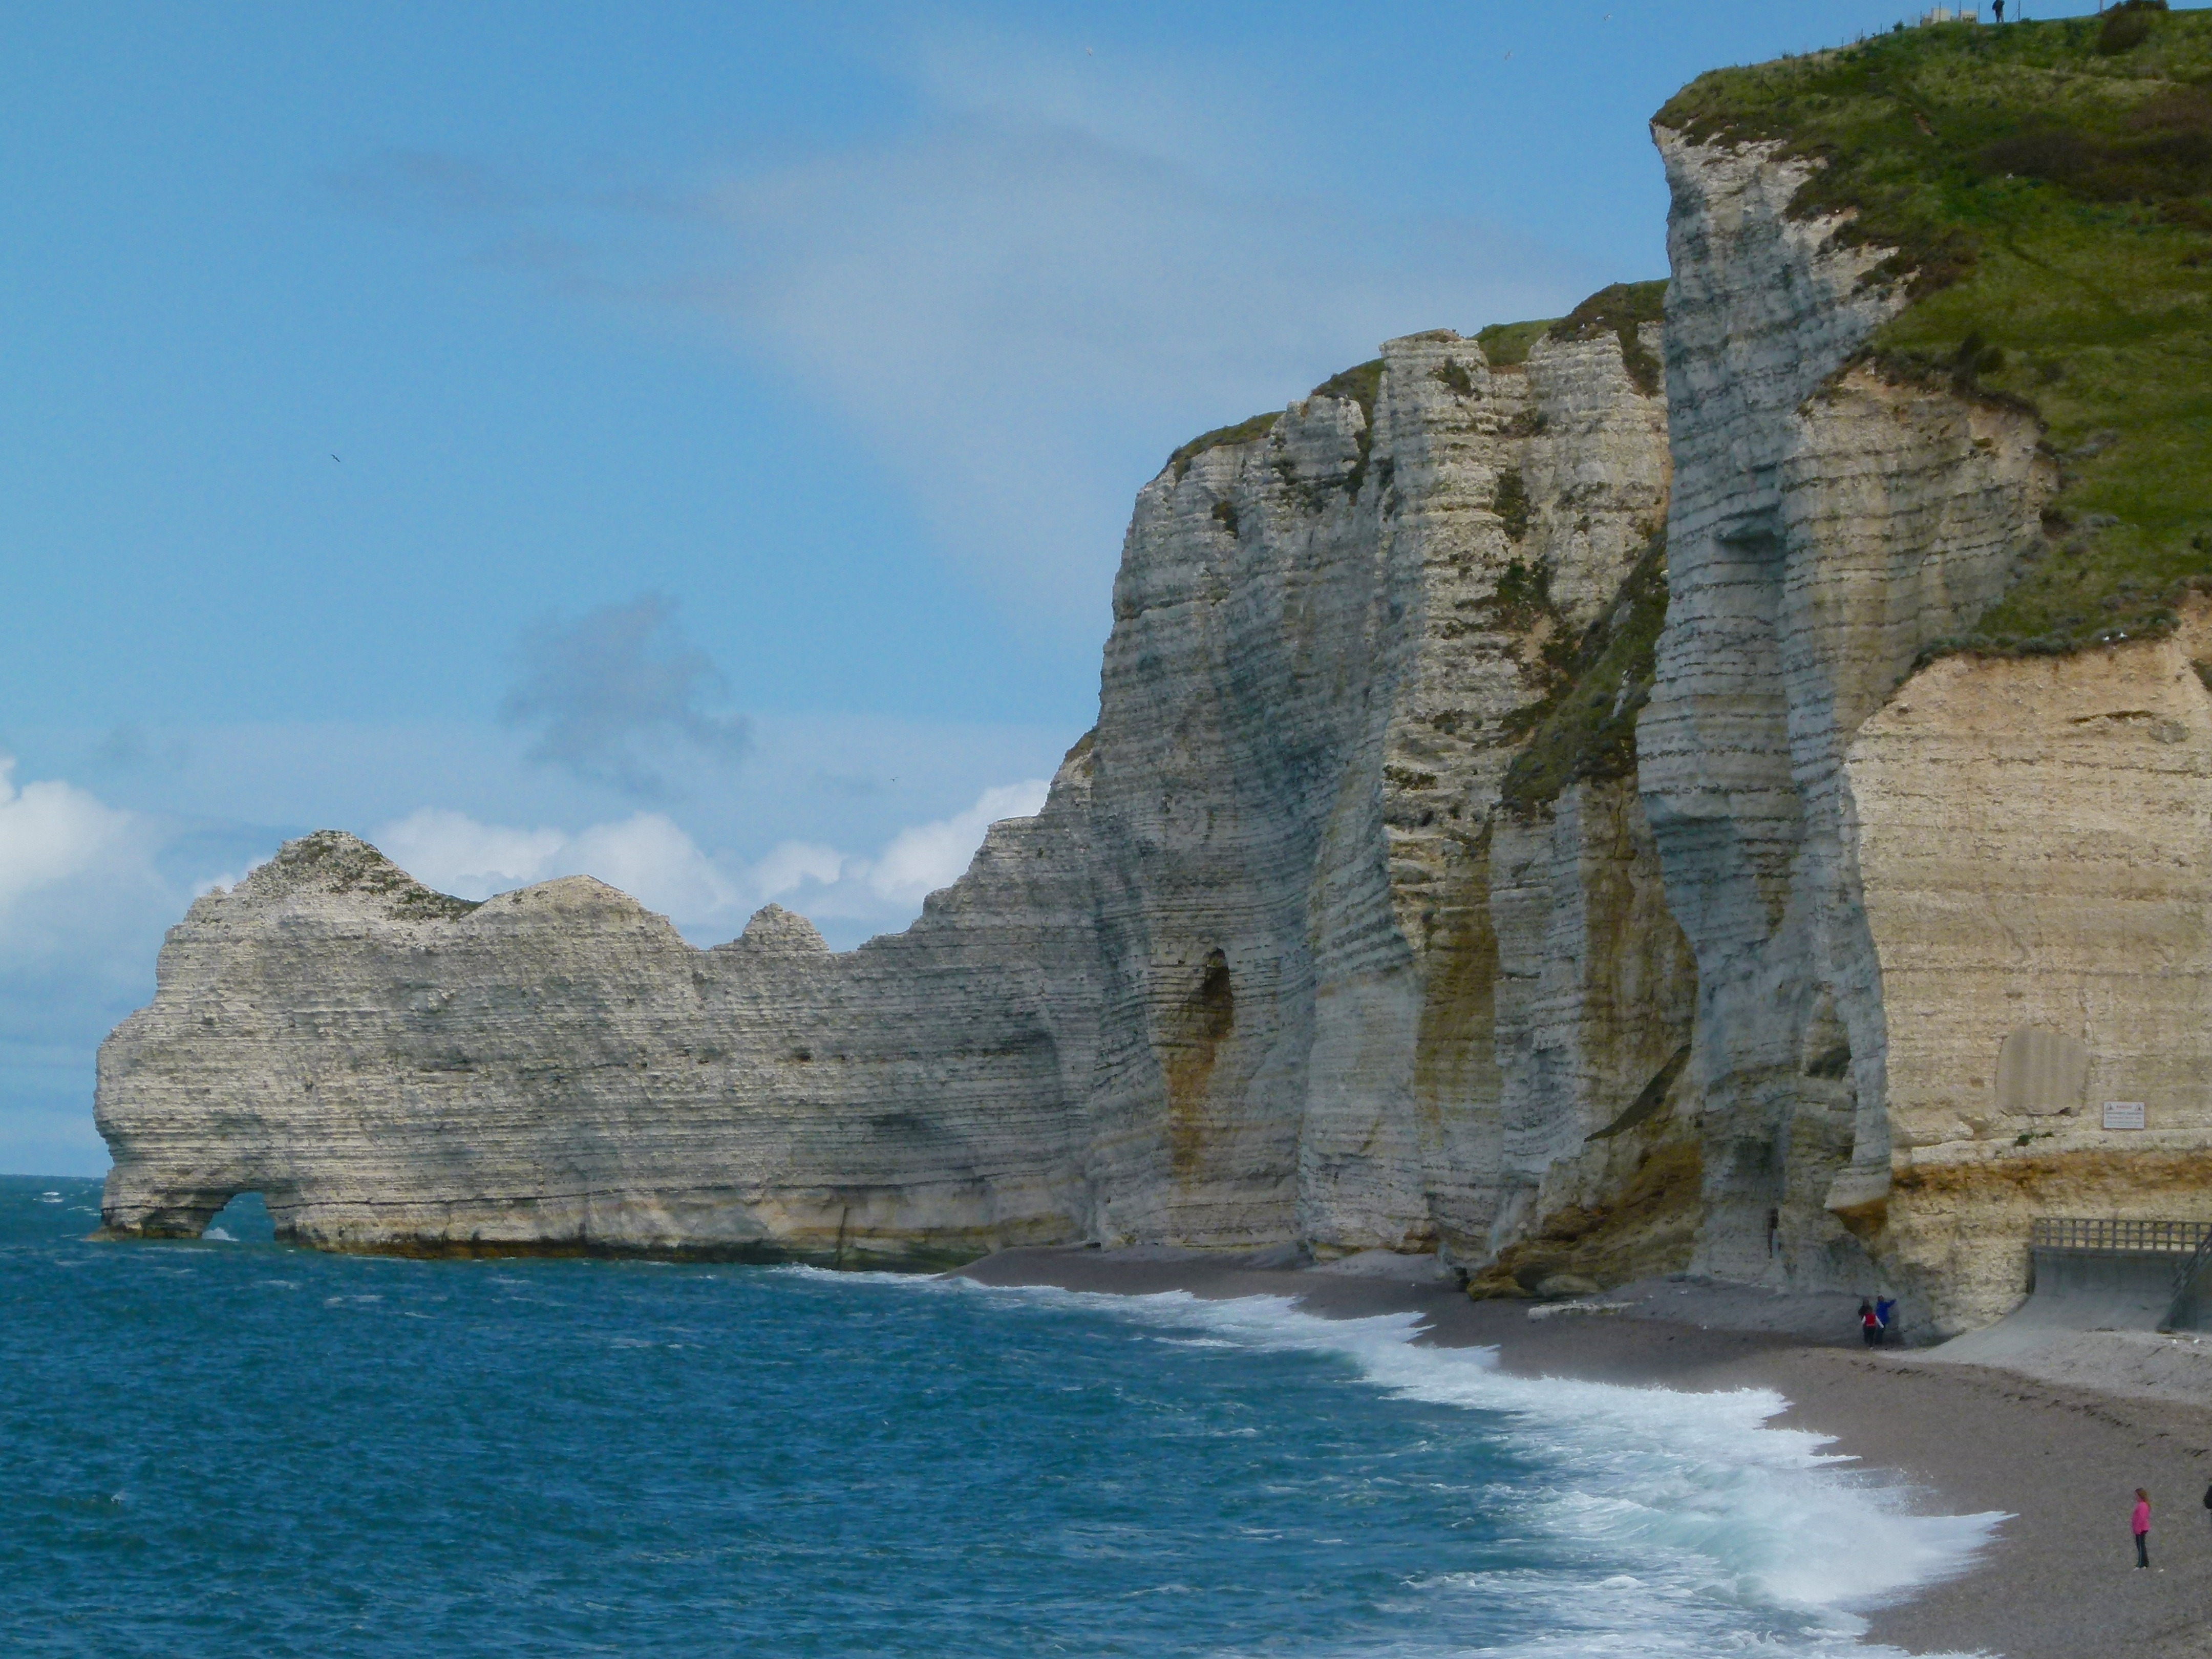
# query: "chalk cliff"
{"type": "Point", "coordinates": [2036, 854]}
{"type": "Point", "coordinates": [1827, 527]}
{"type": "Point", "coordinates": [1235, 985]}
{"type": "Point", "coordinates": [1540, 812]}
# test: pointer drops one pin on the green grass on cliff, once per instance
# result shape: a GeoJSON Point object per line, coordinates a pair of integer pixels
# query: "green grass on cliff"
{"type": "Point", "coordinates": [1584, 725]}
{"type": "Point", "coordinates": [1620, 309]}
{"type": "Point", "coordinates": [1242, 432]}
{"type": "Point", "coordinates": [2048, 189]}
{"type": "Point", "coordinates": [1507, 345]}
{"type": "Point", "coordinates": [1361, 384]}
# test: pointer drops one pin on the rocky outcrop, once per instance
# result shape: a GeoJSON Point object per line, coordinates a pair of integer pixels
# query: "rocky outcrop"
{"type": "Point", "coordinates": [1235, 985]}
{"type": "Point", "coordinates": [557, 1069]}
{"type": "Point", "coordinates": [1596, 996]}
{"type": "Point", "coordinates": [1938, 912]}
{"type": "Point", "coordinates": [1826, 527]}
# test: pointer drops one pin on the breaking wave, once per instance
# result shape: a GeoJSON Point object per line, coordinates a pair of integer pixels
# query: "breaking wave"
{"type": "Point", "coordinates": [1684, 1521]}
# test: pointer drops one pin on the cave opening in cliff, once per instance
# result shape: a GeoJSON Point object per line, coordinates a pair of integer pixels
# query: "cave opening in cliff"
{"type": "Point", "coordinates": [244, 1220]}
{"type": "Point", "coordinates": [1199, 1027]}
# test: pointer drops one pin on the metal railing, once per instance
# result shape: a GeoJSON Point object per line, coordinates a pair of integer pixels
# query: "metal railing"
{"type": "Point", "coordinates": [2184, 1238]}
{"type": "Point", "coordinates": [2187, 1299]}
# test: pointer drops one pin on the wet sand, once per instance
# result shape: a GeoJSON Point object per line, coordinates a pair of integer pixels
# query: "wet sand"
{"type": "Point", "coordinates": [2058, 1582]}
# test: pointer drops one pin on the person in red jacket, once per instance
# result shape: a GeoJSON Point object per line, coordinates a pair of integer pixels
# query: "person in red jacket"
{"type": "Point", "coordinates": [2142, 1525]}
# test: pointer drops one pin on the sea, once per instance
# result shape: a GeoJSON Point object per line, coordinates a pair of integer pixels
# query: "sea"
{"type": "Point", "coordinates": [234, 1447]}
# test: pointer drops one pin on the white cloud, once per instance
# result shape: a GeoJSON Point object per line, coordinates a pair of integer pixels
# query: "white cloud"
{"type": "Point", "coordinates": [83, 906]}
{"type": "Point", "coordinates": [652, 858]}
{"type": "Point", "coordinates": [52, 831]}
{"type": "Point", "coordinates": [886, 891]}
{"type": "Point", "coordinates": [455, 854]}
{"type": "Point", "coordinates": [792, 863]}
{"type": "Point", "coordinates": [607, 694]}
{"type": "Point", "coordinates": [645, 855]}
{"type": "Point", "coordinates": [929, 856]}
{"type": "Point", "coordinates": [1049, 309]}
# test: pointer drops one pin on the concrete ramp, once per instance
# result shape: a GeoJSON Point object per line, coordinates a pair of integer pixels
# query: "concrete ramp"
{"type": "Point", "coordinates": [2072, 1291]}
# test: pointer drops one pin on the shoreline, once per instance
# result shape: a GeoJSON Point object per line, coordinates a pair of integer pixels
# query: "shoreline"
{"type": "Point", "coordinates": [2056, 1581]}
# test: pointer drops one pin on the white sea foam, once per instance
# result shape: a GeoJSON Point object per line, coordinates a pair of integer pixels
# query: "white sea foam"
{"type": "Point", "coordinates": [869, 1276]}
{"type": "Point", "coordinates": [216, 1236]}
{"type": "Point", "coordinates": [1704, 1514]}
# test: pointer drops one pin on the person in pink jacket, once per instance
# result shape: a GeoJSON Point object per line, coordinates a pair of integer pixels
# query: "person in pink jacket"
{"type": "Point", "coordinates": [2142, 1525]}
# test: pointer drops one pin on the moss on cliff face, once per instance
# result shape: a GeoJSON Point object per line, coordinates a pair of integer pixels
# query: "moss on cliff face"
{"type": "Point", "coordinates": [2047, 189]}
{"type": "Point", "coordinates": [1585, 727]}
{"type": "Point", "coordinates": [1621, 308]}
{"type": "Point", "coordinates": [1651, 1228]}
{"type": "Point", "coordinates": [1361, 384]}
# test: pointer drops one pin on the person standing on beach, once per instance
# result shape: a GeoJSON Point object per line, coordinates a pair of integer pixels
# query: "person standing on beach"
{"type": "Point", "coordinates": [1869, 1322]}
{"type": "Point", "coordinates": [2142, 1525]}
{"type": "Point", "coordinates": [1885, 1307]}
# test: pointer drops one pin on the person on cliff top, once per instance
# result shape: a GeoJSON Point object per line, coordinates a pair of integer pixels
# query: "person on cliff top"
{"type": "Point", "coordinates": [1869, 1322]}
{"type": "Point", "coordinates": [2141, 1528]}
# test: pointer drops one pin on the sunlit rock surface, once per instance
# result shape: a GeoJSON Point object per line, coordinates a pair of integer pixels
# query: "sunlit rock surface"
{"type": "Point", "coordinates": [2037, 857]}
{"type": "Point", "coordinates": [1233, 986]}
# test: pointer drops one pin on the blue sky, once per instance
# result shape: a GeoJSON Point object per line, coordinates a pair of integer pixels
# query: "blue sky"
{"type": "Point", "coordinates": [687, 443]}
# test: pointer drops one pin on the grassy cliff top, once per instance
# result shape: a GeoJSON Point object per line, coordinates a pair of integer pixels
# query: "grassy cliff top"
{"type": "Point", "coordinates": [1620, 308]}
{"type": "Point", "coordinates": [2047, 189]}
{"type": "Point", "coordinates": [1506, 345]}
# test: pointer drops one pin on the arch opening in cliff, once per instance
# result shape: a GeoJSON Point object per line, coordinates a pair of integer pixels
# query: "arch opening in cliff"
{"type": "Point", "coordinates": [245, 1219]}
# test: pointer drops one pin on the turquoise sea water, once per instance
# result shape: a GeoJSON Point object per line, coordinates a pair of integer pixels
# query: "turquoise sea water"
{"type": "Point", "coordinates": [236, 1448]}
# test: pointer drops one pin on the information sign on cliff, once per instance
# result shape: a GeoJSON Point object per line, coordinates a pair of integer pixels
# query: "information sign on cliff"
{"type": "Point", "coordinates": [2123, 1115]}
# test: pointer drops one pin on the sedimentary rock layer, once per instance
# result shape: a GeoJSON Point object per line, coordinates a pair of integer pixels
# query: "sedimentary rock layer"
{"type": "Point", "coordinates": [2036, 855]}
{"type": "Point", "coordinates": [1883, 875]}
{"type": "Point", "coordinates": [1824, 530]}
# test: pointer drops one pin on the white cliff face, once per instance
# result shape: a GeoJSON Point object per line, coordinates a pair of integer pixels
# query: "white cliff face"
{"type": "Point", "coordinates": [1940, 916]}
{"type": "Point", "coordinates": [1596, 994]}
{"type": "Point", "coordinates": [557, 1069]}
{"type": "Point", "coordinates": [2078, 908]}
{"type": "Point", "coordinates": [1233, 986]}
{"type": "Point", "coordinates": [1824, 530]}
